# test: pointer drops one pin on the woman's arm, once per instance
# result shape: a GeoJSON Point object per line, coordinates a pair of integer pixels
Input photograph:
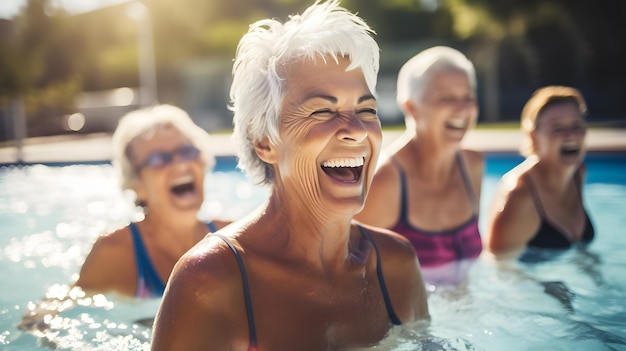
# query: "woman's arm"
{"type": "Point", "coordinates": [513, 219]}
{"type": "Point", "coordinates": [201, 305]}
{"type": "Point", "coordinates": [102, 270]}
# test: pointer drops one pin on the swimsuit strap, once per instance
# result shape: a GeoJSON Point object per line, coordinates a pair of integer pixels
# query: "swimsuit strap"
{"type": "Point", "coordinates": [469, 188]}
{"type": "Point", "coordinates": [578, 180]}
{"type": "Point", "coordinates": [140, 250]}
{"type": "Point", "coordinates": [403, 191]}
{"type": "Point", "coordinates": [211, 226]}
{"type": "Point", "coordinates": [149, 283]}
{"type": "Point", "coordinates": [535, 196]}
{"type": "Point", "coordinates": [246, 292]}
{"type": "Point", "coordinates": [381, 280]}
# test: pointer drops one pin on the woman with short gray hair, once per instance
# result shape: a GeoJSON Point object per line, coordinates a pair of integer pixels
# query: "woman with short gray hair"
{"type": "Point", "coordinates": [299, 274]}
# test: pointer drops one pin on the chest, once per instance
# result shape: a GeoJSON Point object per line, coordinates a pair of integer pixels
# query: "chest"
{"type": "Point", "coordinates": [437, 206]}
{"type": "Point", "coordinates": [564, 212]}
{"type": "Point", "coordinates": [307, 314]}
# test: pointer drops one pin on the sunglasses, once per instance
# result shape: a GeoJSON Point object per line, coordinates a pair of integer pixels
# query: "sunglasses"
{"type": "Point", "coordinates": [160, 159]}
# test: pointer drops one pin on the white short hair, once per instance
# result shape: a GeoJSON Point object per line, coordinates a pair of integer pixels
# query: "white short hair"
{"type": "Point", "coordinates": [263, 53]}
{"type": "Point", "coordinates": [417, 72]}
{"type": "Point", "coordinates": [144, 121]}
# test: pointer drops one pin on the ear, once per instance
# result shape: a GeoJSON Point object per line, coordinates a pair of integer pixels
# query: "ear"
{"type": "Point", "coordinates": [266, 151]}
{"type": "Point", "coordinates": [409, 109]}
{"type": "Point", "coordinates": [533, 137]}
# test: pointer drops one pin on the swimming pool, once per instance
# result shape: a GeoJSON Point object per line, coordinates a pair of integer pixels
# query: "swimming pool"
{"type": "Point", "coordinates": [50, 216]}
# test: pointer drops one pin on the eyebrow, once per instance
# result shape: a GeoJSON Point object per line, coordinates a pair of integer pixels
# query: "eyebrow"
{"type": "Point", "coordinates": [334, 99]}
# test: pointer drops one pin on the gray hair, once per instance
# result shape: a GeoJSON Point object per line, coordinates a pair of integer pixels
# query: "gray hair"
{"type": "Point", "coordinates": [417, 72]}
{"type": "Point", "coordinates": [267, 49]}
{"type": "Point", "coordinates": [142, 122]}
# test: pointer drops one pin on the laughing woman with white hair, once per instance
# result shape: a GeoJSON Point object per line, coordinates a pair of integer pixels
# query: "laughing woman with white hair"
{"type": "Point", "coordinates": [299, 274]}
{"type": "Point", "coordinates": [429, 188]}
{"type": "Point", "coordinates": [162, 156]}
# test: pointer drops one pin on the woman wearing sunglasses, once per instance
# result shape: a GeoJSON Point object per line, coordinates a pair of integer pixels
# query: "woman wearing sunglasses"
{"type": "Point", "coordinates": [161, 155]}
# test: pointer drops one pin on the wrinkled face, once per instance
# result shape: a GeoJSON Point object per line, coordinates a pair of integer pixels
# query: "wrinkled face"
{"type": "Point", "coordinates": [330, 133]}
{"type": "Point", "coordinates": [560, 134]}
{"type": "Point", "coordinates": [170, 171]}
{"type": "Point", "coordinates": [448, 105]}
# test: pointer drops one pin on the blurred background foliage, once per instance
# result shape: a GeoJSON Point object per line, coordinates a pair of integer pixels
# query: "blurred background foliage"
{"type": "Point", "coordinates": [49, 57]}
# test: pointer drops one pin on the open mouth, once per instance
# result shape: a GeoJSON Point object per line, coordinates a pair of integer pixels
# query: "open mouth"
{"type": "Point", "coordinates": [457, 124]}
{"type": "Point", "coordinates": [183, 186]}
{"type": "Point", "coordinates": [570, 150]}
{"type": "Point", "coordinates": [347, 170]}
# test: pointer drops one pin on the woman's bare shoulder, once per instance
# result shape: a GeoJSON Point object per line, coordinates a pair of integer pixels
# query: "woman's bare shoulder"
{"type": "Point", "coordinates": [473, 157]}
{"type": "Point", "coordinates": [221, 223]}
{"type": "Point", "coordinates": [210, 261]}
{"type": "Point", "coordinates": [513, 182]}
{"type": "Point", "coordinates": [383, 198]}
{"type": "Point", "coordinates": [117, 240]}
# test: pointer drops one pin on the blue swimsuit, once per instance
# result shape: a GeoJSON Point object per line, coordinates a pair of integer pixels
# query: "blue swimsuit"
{"type": "Point", "coordinates": [248, 301]}
{"type": "Point", "coordinates": [149, 284]}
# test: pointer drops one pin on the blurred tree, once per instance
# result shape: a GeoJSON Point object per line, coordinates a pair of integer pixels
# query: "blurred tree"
{"type": "Point", "coordinates": [517, 45]}
{"type": "Point", "coordinates": [539, 42]}
{"type": "Point", "coordinates": [40, 64]}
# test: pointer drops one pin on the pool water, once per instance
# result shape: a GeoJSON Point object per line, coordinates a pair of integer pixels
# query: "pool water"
{"type": "Point", "coordinates": [50, 216]}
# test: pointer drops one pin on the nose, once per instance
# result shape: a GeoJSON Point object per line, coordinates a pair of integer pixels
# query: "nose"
{"type": "Point", "coordinates": [574, 132]}
{"type": "Point", "coordinates": [353, 129]}
{"type": "Point", "coordinates": [464, 104]}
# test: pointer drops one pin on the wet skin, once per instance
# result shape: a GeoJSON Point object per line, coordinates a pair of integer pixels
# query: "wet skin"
{"type": "Point", "coordinates": [312, 274]}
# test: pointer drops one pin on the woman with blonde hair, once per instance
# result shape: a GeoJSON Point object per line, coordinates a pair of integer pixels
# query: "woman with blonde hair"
{"type": "Point", "coordinates": [539, 203]}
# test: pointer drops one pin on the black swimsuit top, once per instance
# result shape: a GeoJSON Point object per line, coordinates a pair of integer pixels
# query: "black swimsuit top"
{"type": "Point", "coordinates": [248, 301]}
{"type": "Point", "coordinates": [551, 236]}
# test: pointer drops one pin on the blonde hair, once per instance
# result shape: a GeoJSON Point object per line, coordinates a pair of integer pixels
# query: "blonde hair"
{"type": "Point", "coordinates": [263, 53]}
{"type": "Point", "coordinates": [541, 99]}
{"type": "Point", "coordinates": [144, 121]}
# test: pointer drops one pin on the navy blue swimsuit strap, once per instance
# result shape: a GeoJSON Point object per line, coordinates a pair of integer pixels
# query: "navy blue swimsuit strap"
{"type": "Point", "coordinates": [469, 188]}
{"type": "Point", "coordinates": [535, 196]}
{"type": "Point", "coordinates": [246, 292]}
{"type": "Point", "coordinates": [403, 191]}
{"type": "Point", "coordinates": [381, 280]}
{"type": "Point", "coordinates": [578, 180]}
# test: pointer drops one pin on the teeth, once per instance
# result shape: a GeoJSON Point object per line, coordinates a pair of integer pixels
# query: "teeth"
{"type": "Point", "coordinates": [182, 180]}
{"type": "Point", "coordinates": [344, 162]}
{"type": "Point", "coordinates": [460, 123]}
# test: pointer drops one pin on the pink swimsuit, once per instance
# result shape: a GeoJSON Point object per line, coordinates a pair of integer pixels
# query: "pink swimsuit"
{"type": "Point", "coordinates": [441, 247]}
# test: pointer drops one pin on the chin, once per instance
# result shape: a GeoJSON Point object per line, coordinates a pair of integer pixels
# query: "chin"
{"type": "Point", "coordinates": [186, 205]}
{"type": "Point", "coordinates": [347, 206]}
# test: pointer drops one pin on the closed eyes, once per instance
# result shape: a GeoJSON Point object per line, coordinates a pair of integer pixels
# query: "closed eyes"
{"type": "Point", "coordinates": [364, 113]}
